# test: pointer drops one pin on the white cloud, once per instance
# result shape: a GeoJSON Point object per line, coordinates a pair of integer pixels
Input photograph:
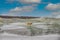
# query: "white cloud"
{"type": "Point", "coordinates": [56, 14]}
{"type": "Point", "coordinates": [30, 1]}
{"type": "Point", "coordinates": [55, 9]}
{"type": "Point", "coordinates": [51, 6]}
{"type": "Point", "coordinates": [19, 10]}
{"type": "Point", "coordinates": [23, 9]}
{"type": "Point", "coordinates": [16, 9]}
{"type": "Point", "coordinates": [25, 1]}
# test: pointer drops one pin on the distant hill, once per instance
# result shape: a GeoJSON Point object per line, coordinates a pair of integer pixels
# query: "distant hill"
{"type": "Point", "coordinates": [22, 17]}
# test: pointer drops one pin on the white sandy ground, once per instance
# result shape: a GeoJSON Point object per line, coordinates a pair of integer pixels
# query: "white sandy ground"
{"type": "Point", "coordinates": [6, 36]}
{"type": "Point", "coordinates": [20, 26]}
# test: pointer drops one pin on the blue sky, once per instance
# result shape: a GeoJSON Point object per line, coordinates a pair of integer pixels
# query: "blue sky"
{"type": "Point", "coordinates": [29, 7]}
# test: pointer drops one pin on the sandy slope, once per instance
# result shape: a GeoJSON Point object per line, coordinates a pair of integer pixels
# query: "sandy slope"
{"type": "Point", "coordinates": [6, 36]}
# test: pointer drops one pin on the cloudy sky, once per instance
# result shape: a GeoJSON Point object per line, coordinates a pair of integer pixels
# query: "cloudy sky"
{"type": "Point", "coordinates": [30, 7]}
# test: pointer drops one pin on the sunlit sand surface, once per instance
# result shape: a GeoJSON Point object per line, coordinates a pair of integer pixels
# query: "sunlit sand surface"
{"type": "Point", "coordinates": [9, 33]}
